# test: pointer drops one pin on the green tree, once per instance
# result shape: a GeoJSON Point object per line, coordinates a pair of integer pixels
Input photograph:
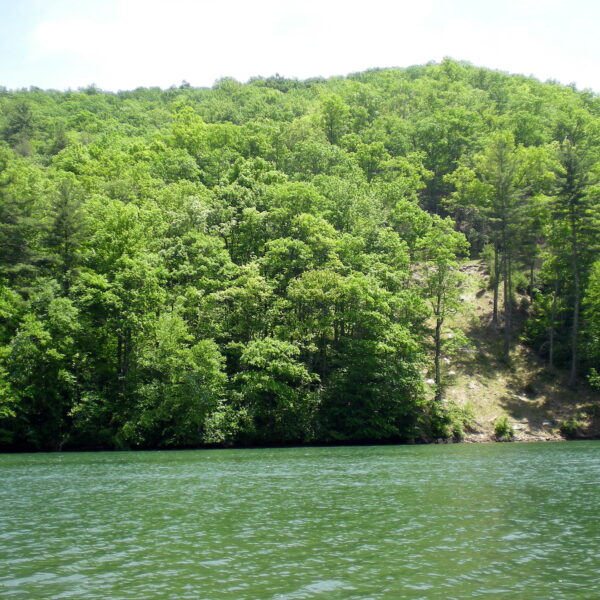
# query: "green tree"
{"type": "Point", "coordinates": [375, 391]}
{"type": "Point", "coordinates": [440, 251]}
{"type": "Point", "coordinates": [335, 117]}
{"type": "Point", "coordinates": [66, 232]}
{"type": "Point", "coordinates": [574, 203]}
{"type": "Point", "coordinates": [41, 370]}
{"type": "Point", "coordinates": [591, 305]}
{"type": "Point", "coordinates": [20, 219]}
{"type": "Point", "coordinates": [277, 392]}
{"type": "Point", "coordinates": [20, 127]}
{"type": "Point", "coordinates": [180, 382]}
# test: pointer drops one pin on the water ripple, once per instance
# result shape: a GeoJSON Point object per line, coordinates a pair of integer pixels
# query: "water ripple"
{"type": "Point", "coordinates": [378, 523]}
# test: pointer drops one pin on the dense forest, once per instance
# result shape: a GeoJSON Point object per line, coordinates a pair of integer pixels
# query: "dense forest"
{"type": "Point", "coordinates": [276, 262]}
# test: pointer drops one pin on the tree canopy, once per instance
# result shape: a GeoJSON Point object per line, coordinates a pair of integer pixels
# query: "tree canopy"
{"type": "Point", "coordinates": [274, 262]}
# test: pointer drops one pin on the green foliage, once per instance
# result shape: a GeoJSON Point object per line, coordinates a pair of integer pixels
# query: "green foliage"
{"type": "Point", "coordinates": [447, 421]}
{"type": "Point", "coordinates": [520, 282]}
{"type": "Point", "coordinates": [179, 384]}
{"type": "Point", "coordinates": [571, 428]}
{"type": "Point", "coordinates": [335, 116]}
{"type": "Point", "coordinates": [441, 282]}
{"type": "Point", "coordinates": [591, 341]}
{"type": "Point", "coordinates": [277, 393]}
{"type": "Point", "coordinates": [375, 390]}
{"type": "Point", "coordinates": [503, 430]}
{"type": "Point", "coordinates": [41, 367]}
{"type": "Point", "coordinates": [277, 261]}
{"type": "Point", "coordinates": [20, 127]}
{"type": "Point", "coordinates": [594, 379]}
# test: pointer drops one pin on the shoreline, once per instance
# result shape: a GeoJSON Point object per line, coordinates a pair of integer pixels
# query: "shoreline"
{"type": "Point", "coordinates": [471, 438]}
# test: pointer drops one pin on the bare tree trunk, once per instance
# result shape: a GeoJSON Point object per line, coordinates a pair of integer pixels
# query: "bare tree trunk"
{"type": "Point", "coordinates": [576, 299]}
{"type": "Point", "coordinates": [437, 358]}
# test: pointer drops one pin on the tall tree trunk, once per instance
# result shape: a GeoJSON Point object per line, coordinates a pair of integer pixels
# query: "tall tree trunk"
{"type": "Point", "coordinates": [552, 324]}
{"type": "Point", "coordinates": [506, 280]}
{"type": "Point", "coordinates": [438, 355]}
{"type": "Point", "coordinates": [576, 298]}
{"type": "Point", "coordinates": [496, 285]}
{"type": "Point", "coordinates": [510, 292]}
{"type": "Point", "coordinates": [506, 348]}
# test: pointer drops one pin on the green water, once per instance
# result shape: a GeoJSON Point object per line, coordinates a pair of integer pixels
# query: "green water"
{"type": "Point", "coordinates": [518, 521]}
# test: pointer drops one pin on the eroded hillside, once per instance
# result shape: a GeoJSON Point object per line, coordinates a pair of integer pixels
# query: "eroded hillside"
{"type": "Point", "coordinates": [537, 400]}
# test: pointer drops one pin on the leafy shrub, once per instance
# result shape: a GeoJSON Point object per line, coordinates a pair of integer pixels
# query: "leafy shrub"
{"type": "Point", "coordinates": [571, 428]}
{"type": "Point", "coordinates": [487, 255]}
{"type": "Point", "coordinates": [503, 429]}
{"type": "Point", "coordinates": [520, 282]}
{"type": "Point", "coordinates": [524, 304]}
{"type": "Point", "coordinates": [450, 421]}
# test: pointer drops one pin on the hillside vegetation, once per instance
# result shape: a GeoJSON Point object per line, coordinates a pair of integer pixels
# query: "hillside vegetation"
{"type": "Point", "coordinates": [536, 399]}
{"type": "Point", "coordinates": [397, 255]}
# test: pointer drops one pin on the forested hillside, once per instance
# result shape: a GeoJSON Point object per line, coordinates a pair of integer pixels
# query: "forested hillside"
{"type": "Point", "coordinates": [280, 261]}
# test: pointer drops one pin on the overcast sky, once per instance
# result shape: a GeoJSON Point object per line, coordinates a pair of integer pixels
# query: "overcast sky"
{"type": "Point", "coordinates": [124, 44]}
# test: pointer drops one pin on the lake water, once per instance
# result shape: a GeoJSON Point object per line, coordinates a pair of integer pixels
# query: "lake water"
{"type": "Point", "coordinates": [514, 521]}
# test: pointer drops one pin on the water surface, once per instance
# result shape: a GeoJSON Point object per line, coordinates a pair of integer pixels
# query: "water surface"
{"type": "Point", "coordinates": [518, 521]}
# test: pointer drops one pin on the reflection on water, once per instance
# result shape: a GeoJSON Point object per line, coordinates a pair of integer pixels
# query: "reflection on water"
{"type": "Point", "coordinates": [518, 521]}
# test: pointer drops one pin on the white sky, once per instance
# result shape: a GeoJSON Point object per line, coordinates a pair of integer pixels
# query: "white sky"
{"type": "Point", "coordinates": [123, 44]}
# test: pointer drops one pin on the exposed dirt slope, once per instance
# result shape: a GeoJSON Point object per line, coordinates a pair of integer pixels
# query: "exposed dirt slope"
{"type": "Point", "coordinates": [535, 399]}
